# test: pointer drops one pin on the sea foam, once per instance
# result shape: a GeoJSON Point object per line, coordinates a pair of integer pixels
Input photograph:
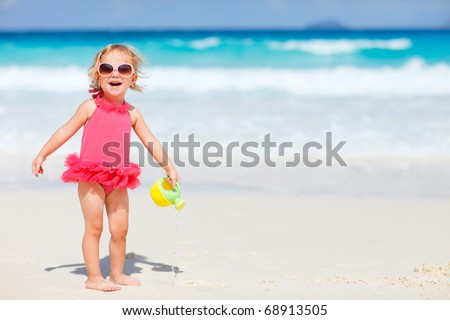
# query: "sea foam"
{"type": "Point", "coordinates": [324, 47]}
{"type": "Point", "coordinates": [414, 78]}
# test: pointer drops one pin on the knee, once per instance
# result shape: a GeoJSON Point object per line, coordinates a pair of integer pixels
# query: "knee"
{"type": "Point", "coordinates": [95, 229]}
{"type": "Point", "coordinates": [119, 231]}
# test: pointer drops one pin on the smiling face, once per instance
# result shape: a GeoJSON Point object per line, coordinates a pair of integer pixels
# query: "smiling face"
{"type": "Point", "coordinates": [115, 85]}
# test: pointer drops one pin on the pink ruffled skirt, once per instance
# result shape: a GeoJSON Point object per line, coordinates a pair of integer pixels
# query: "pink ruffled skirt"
{"type": "Point", "coordinates": [93, 172]}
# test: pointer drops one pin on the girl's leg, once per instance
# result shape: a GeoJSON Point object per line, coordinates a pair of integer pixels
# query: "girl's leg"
{"type": "Point", "coordinates": [117, 209]}
{"type": "Point", "coordinates": [92, 198]}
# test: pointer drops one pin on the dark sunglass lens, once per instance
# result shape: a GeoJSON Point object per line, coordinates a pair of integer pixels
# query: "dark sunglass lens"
{"type": "Point", "coordinates": [105, 69]}
{"type": "Point", "coordinates": [125, 70]}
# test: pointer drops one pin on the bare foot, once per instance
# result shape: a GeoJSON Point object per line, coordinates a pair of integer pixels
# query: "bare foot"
{"type": "Point", "coordinates": [125, 280]}
{"type": "Point", "coordinates": [101, 284]}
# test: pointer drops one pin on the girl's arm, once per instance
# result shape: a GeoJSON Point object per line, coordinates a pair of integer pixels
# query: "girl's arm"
{"type": "Point", "coordinates": [154, 146]}
{"type": "Point", "coordinates": [62, 135]}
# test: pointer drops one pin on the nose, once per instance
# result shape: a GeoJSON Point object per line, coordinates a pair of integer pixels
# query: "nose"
{"type": "Point", "coordinates": [115, 73]}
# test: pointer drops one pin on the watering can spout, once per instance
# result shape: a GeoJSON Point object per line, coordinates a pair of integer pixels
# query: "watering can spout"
{"type": "Point", "coordinates": [179, 203]}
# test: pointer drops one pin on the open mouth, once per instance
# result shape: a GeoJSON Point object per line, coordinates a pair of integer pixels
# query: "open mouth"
{"type": "Point", "coordinates": [115, 84]}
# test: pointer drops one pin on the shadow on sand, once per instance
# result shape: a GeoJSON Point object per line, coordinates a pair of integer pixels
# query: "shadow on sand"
{"type": "Point", "coordinates": [130, 267]}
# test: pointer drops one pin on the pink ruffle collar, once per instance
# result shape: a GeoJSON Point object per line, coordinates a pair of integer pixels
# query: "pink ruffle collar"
{"type": "Point", "coordinates": [107, 105]}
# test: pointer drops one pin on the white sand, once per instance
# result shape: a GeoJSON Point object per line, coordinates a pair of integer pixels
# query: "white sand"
{"type": "Point", "coordinates": [230, 246]}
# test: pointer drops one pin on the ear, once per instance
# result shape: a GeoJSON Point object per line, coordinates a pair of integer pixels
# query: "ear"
{"type": "Point", "coordinates": [134, 78]}
{"type": "Point", "coordinates": [133, 81]}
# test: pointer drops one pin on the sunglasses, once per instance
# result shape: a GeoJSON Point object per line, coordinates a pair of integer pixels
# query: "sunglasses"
{"type": "Point", "coordinates": [106, 69]}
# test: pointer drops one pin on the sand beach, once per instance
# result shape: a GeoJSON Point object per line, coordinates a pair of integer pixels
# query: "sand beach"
{"type": "Point", "coordinates": [234, 246]}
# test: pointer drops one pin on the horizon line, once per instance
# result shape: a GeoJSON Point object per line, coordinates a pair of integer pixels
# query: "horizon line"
{"type": "Point", "coordinates": [220, 29]}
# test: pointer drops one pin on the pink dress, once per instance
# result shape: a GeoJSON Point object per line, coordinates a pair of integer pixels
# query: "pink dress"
{"type": "Point", "coordinates": [105, 148]}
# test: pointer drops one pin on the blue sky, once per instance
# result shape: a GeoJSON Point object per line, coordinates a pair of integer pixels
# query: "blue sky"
{"type": "Point", "coordinates": [235, 14]}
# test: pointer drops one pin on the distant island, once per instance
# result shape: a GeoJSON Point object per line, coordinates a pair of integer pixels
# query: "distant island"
{"type": "Point", "coordinates": [446, 25]}
{"type": "Point", "coordinates": [326, 25]}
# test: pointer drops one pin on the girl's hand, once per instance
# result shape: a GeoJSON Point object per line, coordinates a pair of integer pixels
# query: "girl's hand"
{"type": "Point", "coordinates": [172, 177]}
{"type": "Point", "coordinates": [36, 167]}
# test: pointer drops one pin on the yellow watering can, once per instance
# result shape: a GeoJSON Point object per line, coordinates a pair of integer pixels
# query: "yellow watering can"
{"type": "Point", "coordinates": [163, 194]}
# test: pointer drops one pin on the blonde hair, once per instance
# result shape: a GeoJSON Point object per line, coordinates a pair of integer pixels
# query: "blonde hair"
{"type": "Point", "coordinates": [128, 51]}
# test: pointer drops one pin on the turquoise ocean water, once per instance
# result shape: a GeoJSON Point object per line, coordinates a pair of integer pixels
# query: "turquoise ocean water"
{"type": "Point", "coordinates": [384, 92]}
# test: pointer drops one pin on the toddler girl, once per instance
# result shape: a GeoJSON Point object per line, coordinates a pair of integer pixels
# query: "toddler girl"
{"type": "Point", "coordinates": [102, 170]}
